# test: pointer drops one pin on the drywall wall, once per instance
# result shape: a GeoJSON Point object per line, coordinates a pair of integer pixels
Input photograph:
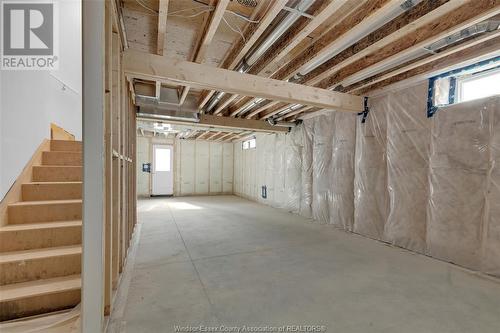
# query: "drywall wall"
{"type": "Point", "coordinates": [31, 100]}
{"type": "Point", "coordinates": [430, 185]}
{"type": "Point", "coordinates": [203, 168]}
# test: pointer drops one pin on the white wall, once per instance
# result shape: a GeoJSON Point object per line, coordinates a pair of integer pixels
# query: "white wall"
{"type": "Point", "coordinates": [203, 168]}
{"type": "Point", "coordinates": [200, 167]}
{"type": "Point", "coordinates": [31, 100]}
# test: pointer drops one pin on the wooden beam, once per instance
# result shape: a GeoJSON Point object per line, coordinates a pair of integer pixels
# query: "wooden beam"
{"type": "Point", "coordinates": [252, 34]}
{"type": "Point", "coordinates": [184, 94]}
{"type": "Point", "coordinates": [357, 87]}
{"type": "Point", "coordinates": [224, 136]}
{"type": "Point", "coordinates": [212, 121]}
{"type": "Point", "coordinates": [369, 11]}
{"type": "Point", "coordinates": [463, 57]}
{"type": "Point", "coordinates": [466, 15]}
{"type": "Point", "coordinates": [202, 135]}
{"type": "Point", "coordinates": [210, 30]}
{"type": "Point", "coordinates": [238, 123]}
{"type": "Point", "coordinates": [293, 113]}
{"type": "Point", "coordinates": [421, 15]}
{"type": "Point", "coordinates": [213, 135]}
{"type": "Point", "coordinates": [208, 35]}
{"type": "Point", "coordinates": [156, 68]}
{"type": "Point", "coordinates": [262, 108]}
{"type": "Point", "coordinates": [162, 26]}
{"type": "Point", "coordinates": [205, 97]}
{"type": "Point", "coordinates": [224, 104]}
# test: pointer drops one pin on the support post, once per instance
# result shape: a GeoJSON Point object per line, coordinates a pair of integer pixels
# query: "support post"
{"type": "Point", "coordinates": [93, 166]}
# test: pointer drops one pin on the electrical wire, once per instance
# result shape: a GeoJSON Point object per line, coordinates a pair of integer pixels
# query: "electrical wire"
{"type": "Point", "coordinates": [241, 16]}
{"type": "Point", "coordinates": [238, 31]}
{"type": "Point", "coordinates": [193, 15]}
{"type": "Point", "coordinates": [146, 7]}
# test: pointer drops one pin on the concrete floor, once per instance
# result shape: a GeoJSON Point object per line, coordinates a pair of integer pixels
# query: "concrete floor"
{"type": "Point", "coordinates": [215, 261]}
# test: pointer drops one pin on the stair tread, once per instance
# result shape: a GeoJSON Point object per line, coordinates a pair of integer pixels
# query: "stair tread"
{"type": "Point", "coordinates": [11, 292]}
{"type": "Point", "coordinates": [41, 225]}
{"type": "Point", "coordinates": [44, 202]}
{"type": "Point", "coordinates": [57, 166]}
{"type": "Point", "coordinates": [14, 256]}
{"type": "Point", "coordinates": [52, 183]}
{"type": "Point", "coordinates": [58, 140]}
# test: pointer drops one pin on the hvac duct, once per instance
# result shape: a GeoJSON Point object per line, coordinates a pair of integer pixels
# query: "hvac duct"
{"type": "Point", "coordinates": [356, 34]}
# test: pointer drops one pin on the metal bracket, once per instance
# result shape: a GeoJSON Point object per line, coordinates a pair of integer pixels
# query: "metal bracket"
{"type": "Point", "coordinates": [364, 114]}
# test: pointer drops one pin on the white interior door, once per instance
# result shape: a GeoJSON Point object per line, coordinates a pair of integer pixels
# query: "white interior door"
{"type": "Point", "coordinates": [162, 173]}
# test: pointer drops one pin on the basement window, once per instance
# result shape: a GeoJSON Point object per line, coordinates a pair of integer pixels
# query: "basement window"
{"type": "Point", "coordinates": [465, 84]}
{"type": "Point", "coordinates": [475, 86]}
{"type": "Point", "coordinates": [249, 144]}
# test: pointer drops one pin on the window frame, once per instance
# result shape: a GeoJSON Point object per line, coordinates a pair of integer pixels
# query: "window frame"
{"type": "Point", "coordinates": [248, 144]}
{"type": "Point", "coordinates": [472, 77]}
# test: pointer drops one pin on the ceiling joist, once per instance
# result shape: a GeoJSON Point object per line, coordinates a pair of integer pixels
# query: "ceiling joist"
{"type": "Point", "coordinates": [162, 26]}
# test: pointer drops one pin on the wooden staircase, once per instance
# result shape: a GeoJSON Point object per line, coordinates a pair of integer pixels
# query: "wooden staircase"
{"type": "Point", "coordinates": [40, 247]}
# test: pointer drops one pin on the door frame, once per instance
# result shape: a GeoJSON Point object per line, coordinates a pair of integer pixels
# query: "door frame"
{"type": "Point", "coordinates": [153, 167]}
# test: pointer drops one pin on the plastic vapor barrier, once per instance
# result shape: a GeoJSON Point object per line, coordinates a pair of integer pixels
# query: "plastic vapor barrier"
{"type": "Point", "coordinates": [430, 185]}
{"type": "Point", "coordinates": [307, 168]}
{"type": "Point", "coordinates": [491, 240]}
{"type": "Point", "coordinates": [461, 160]}
{"type": "Point", "coordinates": [370, 180]}
{"type": "Point", "coordinates": [322, 167]}
{"type": "Point", "coordinates": [293, 170]}
{"type": "Point", "coordinates": [408, 138]}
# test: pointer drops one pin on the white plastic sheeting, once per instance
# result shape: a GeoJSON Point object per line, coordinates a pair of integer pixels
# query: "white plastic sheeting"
{"type": "Point", "coordinates": [463, 215]}
{"type": "Point", "coordinates": [430, 185]}
{"type": "Point", "coordinates": [408, 138]}
{"type": "Point", "coordinates": [370, 180]}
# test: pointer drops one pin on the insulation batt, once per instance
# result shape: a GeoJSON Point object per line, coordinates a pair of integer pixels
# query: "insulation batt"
{"type": "Point", "coordinates": [430, 185]}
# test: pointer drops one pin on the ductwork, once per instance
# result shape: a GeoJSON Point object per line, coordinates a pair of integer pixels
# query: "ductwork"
{"type": "Point", "coordinates": [256, 53]}
{"type": "Point", "coordinates": [273, 122]}
{"type": "Point", "coordinates": [486, 26]}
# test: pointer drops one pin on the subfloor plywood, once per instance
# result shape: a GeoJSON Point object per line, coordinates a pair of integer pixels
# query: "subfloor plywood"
{"type": "Point", "coordinates": [227, 261]}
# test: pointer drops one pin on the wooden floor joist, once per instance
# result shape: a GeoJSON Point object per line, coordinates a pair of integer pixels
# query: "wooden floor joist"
{"type": "Point", "coordinates": [422, 14]}
{"type": "Point", "coordinates": [369, 11]}
{"type": "Point", "coordinates": [466, 15]}
{"type": "Point", "coordinates": [252, 33]}
{"type": "Point", "coordinates": [358, 87]}
{"type": "Point", "coordinates": [464, 57]}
